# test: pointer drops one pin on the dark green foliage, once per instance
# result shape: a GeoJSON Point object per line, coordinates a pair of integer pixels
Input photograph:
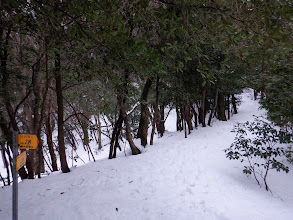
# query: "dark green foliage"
{"type": "Point", "coordinates": [279, 95]}
{"type": "Point", "coordinates": [258, 145]}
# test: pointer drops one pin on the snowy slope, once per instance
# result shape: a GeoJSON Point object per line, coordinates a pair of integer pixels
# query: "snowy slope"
{"type": "Point", "coordinates": [177, 178]}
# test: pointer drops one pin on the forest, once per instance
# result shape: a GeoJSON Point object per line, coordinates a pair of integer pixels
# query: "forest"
{"type": "Point", "coordinates": [93, 68]}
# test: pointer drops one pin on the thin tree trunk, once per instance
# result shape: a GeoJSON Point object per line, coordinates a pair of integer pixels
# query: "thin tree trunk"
{"type": "Point", "coordinates": [234, 104]}
{"type": "Point", "coordinates": [214, 107]}
{"type": "Point", "coordinates": [33, 154]}
{"type": "Point", "coordinates": [221, 107]}
{"type": "Point", "coordinates": [5, 162]}
{"type": "Point", "coordinates": [179, 125]}
{"type": "Point", "coordinates": [203, 108]}
{"type": "Point", "coordinates": [60, 110]}
{"type": "Point", "coordinates": [115, 137]}
{"type": "Point", "coordinates": [156, 112]}
{"type": "Point", "coordinates": [134, 149]}
{"type": "Point", "coordinates": [228, 106]}
{"type": "Point", "coordinates": [49, 135]}
{"type": "Point", "coordinates": [161, 123]}
{"type": "Point", "coordinates": [144, 115]}
{"type": "Point", "coordinates": [195, 116]}
{"type": "Point", "coordinates": [188, 118]}
{"type": "Point", "coordinates": [99, 132]}
{"type": "Point", "coordinates": [182, 109]}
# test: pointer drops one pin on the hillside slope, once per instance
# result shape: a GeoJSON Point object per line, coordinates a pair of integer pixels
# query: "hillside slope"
{"type": "Point", "coordinates": [176, 178]}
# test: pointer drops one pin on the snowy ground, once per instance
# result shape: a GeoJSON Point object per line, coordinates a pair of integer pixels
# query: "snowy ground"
{"type": "Point", "coordinates": [176, 178]}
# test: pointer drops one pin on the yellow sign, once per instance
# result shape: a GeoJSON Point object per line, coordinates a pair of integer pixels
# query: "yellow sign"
{"type": "Point", "coordinates": [27, 141]}
{"type": "Point", "coordinates": [20, 160]}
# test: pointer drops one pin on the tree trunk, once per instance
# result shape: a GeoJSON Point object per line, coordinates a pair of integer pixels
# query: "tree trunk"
{"type": "Point", "coordinates": [49, 135]}
{"type": "Point", "coordinates": [188, 118]}
{"type": "Point", "coordinates": [99, 132]}
{"type": "Point", "coordinates": [115, 137]}
{"type": "Point", "coordinates": [214, 107]}
{"type": "Point", "coordinates": [203, 115]}
{"type": "Point", "coordinates": [195, 116]}
{"type": "Point", "coordinates": [64, 165]}
{"type": "Point", "coordinates": [5, 161]}
{"type": "Point", "coordinates": [144, 115]}
{"type": "Point", "coordinates": [182, 109]}
{"type": "Point", "coordinates": [234, 104]}
{"type": "Point", "coordinates": [228, 107]}
{"type": "Point", "coordinates": [179, 126]}
{"type": "Point", "coordinates": [161, 123]}
{"type": "Point", "coordinates": [156, 118]}
{"type": "Point", "coordinates": [134, 149]}
{"type": "Point", "coordinates": [33, 156]}
{"type": "Point", "coordinates": [221, 107]}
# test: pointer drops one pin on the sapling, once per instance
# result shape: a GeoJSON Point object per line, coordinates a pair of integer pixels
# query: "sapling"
{"type": "Point", "coordinates": [258, 144]}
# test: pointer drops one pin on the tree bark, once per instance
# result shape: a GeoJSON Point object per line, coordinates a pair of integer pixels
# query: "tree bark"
{"type": "Point", "coordinates": [214, 107]}
{"type": "Point", "coordinates": [134, 149]}
{"type": "Point", "coordinates": [49, 135]}
{"type": "Point", "coordinates": [179, 125]}
{"type": "Point", "coordinates": [156, 118]}
{"type": "Point", "coordinates": [144, 115]}
{"type": "Point", "coordinates": [228, 107]}
{"type": "Point", "coordinates": [64, 165]}
{"type": "Point", "coordinates": [203, 115]}
{"type": "Point", "coordinates": [221, 107]}
{"type": "Point", "coordinates": [188, 118]}
{"type": "Point", "coordinates": [182, 109]}
{"type": "Point", "coordinates": [234, 104]}
{"type": "Point", "coordinates": [5, 162]}
{"type": "Point", "coordinates": [99, 132]}
{"type": "Point", "coordinates": [115, 137]}
{"type": "Point", "coordinates": [195, 116]}
{"type": "Point", "coordinates": [161, 123]}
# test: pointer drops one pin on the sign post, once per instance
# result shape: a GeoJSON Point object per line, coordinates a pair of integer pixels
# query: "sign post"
{"type": "Point", "coordinates": [15, 176]}
{"type": "Point", "coordinates": [21, 141]}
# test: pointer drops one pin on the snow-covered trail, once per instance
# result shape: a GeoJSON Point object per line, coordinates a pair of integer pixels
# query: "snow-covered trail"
{"type": "Point", "coordinates": [176, 178]}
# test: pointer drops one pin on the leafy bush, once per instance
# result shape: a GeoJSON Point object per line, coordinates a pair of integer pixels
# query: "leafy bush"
{"type": "Point", "coordinates": [259, 144]}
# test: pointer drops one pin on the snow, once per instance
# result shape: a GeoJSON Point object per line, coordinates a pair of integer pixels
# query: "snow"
{"type": "Point", "coordinates": [176, 178]}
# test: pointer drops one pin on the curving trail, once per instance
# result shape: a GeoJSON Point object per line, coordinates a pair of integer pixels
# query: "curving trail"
{"type": "Point", "coordinates": [175, 179]}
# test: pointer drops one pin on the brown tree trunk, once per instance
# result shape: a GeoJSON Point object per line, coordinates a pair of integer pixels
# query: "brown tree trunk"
{"type": "Point", "coordinates": [182, 109]}
{"type": "Point", "coordinates": [203, 115]}
{"type": "Point", "coordinates": [221, 107]}
{"type": "Point", "coordinates": [49, 135]}
{"type": "Point", "coordinates": [161, 123]}
{"type": "Point", "coordinates": [179, 125]}
{"type": "Point", "coordinates": [64, 165]}
{"type": "Point", "coordinates": [234, 104]}
{"type": "Point", "coordinates": [214, 107]}
{"type": "Point", "coordinates": [195, 116]}
{"type": "Point", "coordinates": [156, 118]}
{"type": "Point", "coordinates": [115, 137]}
{"type": "Point", "coordinates": [5, 161]}
{"type": "Point", "coordinates": [142, 132]}
{"type": "Point", "coordinates": [99, 132]}
{"type": "Point", "coordinates": [134, 149]}
{"type": "Point", "coordinates": [228, 106]}
{"type": "Point", "coordinates": [188, 118]}
{"type": "Point", "coordinates": [33, 158]}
